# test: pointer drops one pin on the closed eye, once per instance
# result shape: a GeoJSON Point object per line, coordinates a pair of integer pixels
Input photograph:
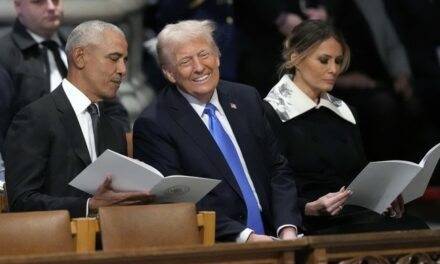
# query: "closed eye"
{"type": "Point", "coordinates": [324, 59]}
{"type": "Point", "coordinates": [115, 57]}
{"type": "Point", "coordinates": [204, 54]}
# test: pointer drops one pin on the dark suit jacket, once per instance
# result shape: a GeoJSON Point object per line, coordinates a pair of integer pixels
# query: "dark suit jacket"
{"type": "Point", "coordinates": [6, 91]}
{"type": "Point", "coordinates": [324, 150]}
{"type": "Point", "coordinates": [45, 149]}
{"type": "Point", "coordinates": [170, 136]}
{"type": "Point", "coordinates": [26, 64]}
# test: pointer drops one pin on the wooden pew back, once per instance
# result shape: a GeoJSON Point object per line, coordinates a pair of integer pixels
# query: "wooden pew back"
{"type": "Point", "coordinates": [27, 233]}
{"type": "Point", "coordinates": [85, 230]}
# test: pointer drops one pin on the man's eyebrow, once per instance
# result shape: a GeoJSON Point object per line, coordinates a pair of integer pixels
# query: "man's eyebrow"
{"type": "Point", "coordinates": [115, 53]}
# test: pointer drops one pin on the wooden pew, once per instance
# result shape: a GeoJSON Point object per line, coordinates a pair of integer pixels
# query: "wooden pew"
{"type": "Point", "coordinates": [278, 252]}
{"type": "Point", "coordinates": [3, 202]}
{"type": "Point", "coordinates": [206, 223]}
{"type": "Point", "coordinates": [384, 247]}
{"type": "Point", "coordinates": [380, 247]}
{"type": "Point", "coordinates": [84, 230]}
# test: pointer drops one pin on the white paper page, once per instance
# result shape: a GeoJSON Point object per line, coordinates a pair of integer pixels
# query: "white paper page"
{"type": "Point", "coordinates": [141, 163]}
{"type": "Point", "coordinates": [127, 174]}
{"type": "Point", "coordinates": [416, 188]}
{"type": "Point", "coordinates": [179, 188]}
{"type": "Point", "coordinates": [379, 183]}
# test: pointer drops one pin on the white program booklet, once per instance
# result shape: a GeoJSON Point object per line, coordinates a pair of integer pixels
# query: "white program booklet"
{"type": "Point", "coordinates": [380, 182]}
{"type": "Point", "coordinates": [133, 175]}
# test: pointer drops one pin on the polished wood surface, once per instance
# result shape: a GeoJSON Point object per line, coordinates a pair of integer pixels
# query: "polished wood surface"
{"type": "Point", "coordinates": [85, 229]}
{"type": "Point", "coordinates": [3, 202]}
{"type": "Point", "coordinates": [206, 223]}
{"type": "Point", "coordinates": [418, 246]}
{"type": "Point", "coordinates": [381, 245]}
{"type": "Point", "coordinates": [279, 252]}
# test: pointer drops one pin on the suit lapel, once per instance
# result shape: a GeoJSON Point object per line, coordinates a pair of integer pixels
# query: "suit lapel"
{"type": "Point", "coordinates": [185, 116]}
{"type": "Point", "coordinates": [236, 115]}
{"type": "Point", "coordinates": [108, 139]}
{"type": "Point", "coordinates": [71, 125]}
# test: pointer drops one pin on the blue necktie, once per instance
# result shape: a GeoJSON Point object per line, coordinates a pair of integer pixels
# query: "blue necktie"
{"type": "Point", "coordinates": [225, 144]}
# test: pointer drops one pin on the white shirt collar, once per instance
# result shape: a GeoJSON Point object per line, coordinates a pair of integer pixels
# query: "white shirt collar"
{"type": "Point", "coordinates": [40, 39]}
{"type": "Point", "coordinates": [198, 106]}
{"type": "Point", "coordinates": [78, 100]}
{"type": "Point", "coordinates": [289, 101]}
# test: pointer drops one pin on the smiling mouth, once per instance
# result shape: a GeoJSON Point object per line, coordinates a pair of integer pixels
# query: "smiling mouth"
{"type": "Point", "coordinates": [202, 78]}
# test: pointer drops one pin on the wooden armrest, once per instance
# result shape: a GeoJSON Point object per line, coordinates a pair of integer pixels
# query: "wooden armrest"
{"type": "Point", "coordinates": [84, 232]}
{"type": "Point", "coordinates": [206, 223]}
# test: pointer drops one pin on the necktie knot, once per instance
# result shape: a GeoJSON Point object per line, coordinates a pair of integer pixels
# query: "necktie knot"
{"type": "Point", "coordinates": [93, 110]}
{"type": "Point", "coordinates": [210, 109]}
{"type": "Point", "coordinates": [50, 44]}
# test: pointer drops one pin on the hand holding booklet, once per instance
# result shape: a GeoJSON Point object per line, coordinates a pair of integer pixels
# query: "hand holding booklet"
{"type": "Point", "coordinates": [133, 175]}
{"type": "Point", "coordinates": [380, 182]}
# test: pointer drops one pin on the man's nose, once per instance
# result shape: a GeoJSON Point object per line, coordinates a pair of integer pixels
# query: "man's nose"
{"type": "Point", "coordinates": [197, 65]}
{"type": "Point", "coordinates": [122, 67]}
{"type": "Point", "coordinates": [50, 4]}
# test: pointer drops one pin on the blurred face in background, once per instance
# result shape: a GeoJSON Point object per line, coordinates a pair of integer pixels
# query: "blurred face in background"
{"type": "Point", "coordinates": [318, 71]}
{"type": "Point", "coordinates": [42, 17]}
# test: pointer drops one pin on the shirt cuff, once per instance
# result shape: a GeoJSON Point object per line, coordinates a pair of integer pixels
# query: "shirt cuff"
{"type": "Point", "coordinates": [244, 236]}
{"type": "Point", "coordinates": [283, 226]}
{"type": "Point", "coordinates": [87, 207]}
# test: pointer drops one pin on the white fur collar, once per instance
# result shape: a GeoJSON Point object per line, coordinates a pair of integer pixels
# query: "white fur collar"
{"type": "Point", "coordinates": [289, 101]}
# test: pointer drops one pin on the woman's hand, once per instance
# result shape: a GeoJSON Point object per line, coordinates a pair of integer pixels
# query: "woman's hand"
{"type": "Point", "coordinates": [396, 208]}
{"type": "Point", "coordinates": [329, 204]}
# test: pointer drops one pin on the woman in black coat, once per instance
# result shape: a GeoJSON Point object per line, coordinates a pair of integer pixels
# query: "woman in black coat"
{"type": "Point", "coordinates": [319, 135]}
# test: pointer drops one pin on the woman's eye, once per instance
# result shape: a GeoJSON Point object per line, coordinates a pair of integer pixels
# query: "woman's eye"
{"type": "Point", "coordinates": [323, 60]}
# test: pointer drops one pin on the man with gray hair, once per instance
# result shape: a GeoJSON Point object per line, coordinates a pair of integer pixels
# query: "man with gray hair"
{"type": "Point", "coordinates": [206, 127]}
{"type": "Point", "coordinates": [32, 54]}
{"type": "Point", "coordinates": [53, 139]}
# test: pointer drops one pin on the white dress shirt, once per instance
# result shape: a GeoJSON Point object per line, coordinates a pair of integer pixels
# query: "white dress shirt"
{"type": "Point", "coordinates": [80, 102]}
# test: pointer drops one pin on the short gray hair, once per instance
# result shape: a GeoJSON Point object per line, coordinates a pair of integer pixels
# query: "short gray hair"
{"type": "Point", "coordinates": [87, 33]}
{"type": "Point", "coordinates": [181, 32]}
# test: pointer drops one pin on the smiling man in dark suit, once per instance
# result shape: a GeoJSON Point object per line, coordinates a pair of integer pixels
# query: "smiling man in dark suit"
{"type": "Point", "coordinates": [53, 139]}
{"type": "Point", "coordinates": [205, 127]}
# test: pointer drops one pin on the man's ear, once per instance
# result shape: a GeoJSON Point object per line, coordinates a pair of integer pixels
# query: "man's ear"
{"type": "Point", "coordinates": [168, 74]}
{"type": "Point", "coordinates": [78, 57]}
{"type": "Point", "coordinates": [17, 6]}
